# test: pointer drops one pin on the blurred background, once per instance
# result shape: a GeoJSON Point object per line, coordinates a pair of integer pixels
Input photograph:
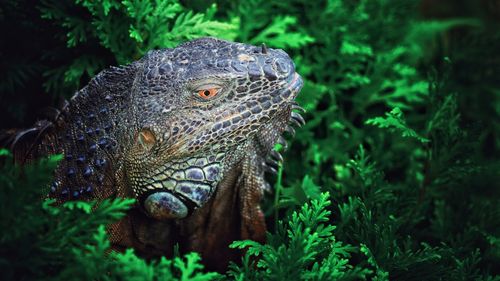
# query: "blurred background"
{"type": "Point", "coordinates": [402, 103]}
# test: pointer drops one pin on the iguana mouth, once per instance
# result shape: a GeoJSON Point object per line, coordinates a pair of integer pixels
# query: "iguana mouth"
{"type": "Point", "coordinates": [295, 83]}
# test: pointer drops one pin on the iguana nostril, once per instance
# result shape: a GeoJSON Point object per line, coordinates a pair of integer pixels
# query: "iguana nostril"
{"type": "Point", "coordinates": [269, 72]}
{"type": "Point", "coordinates": [282, 66]}
{"type": "Point", "coordinates": [146, 138]}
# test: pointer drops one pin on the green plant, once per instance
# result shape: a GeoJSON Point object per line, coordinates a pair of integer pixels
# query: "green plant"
{"type": "Point", "coordinates": [304, 248]}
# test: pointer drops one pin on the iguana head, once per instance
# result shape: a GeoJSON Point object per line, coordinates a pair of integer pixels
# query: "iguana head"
{"type": "Point", "coordinates": [196, 108]}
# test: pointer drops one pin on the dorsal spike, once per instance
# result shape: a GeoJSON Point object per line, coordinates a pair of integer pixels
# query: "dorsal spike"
{"type": "Point", "coordinates": [264, 49]}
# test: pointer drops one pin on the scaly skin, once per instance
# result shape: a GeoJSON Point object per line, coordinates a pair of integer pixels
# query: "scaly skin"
{"type": "Point", "coordinates": [194, 163]}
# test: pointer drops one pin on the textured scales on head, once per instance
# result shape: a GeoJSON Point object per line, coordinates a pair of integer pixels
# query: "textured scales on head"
{"type": "Point", "coordinates": [167, 129]}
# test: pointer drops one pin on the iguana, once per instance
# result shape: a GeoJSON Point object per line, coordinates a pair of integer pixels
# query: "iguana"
{"type": "Point", "coordinates": [187, 132]}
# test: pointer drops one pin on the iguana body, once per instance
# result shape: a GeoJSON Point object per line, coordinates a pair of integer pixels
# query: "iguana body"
{"type": "Point", "coordinates": [186, 132]}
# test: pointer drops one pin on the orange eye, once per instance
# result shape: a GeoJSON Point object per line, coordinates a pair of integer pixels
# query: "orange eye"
{"type": "Point", "coordinates": [208, 93]}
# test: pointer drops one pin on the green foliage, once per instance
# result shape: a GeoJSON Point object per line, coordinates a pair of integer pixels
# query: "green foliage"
{"type": "Point", "coordinates": [413, 196]}
{"type": "Point", "coordinates": [395, 121]}
{"type": "Point", "coordinates": [127, 266]}
{"type": "Point", "coordinates": [128, 29]}
{"type": "Point", "coordinates": [276, 35]}
{"type": "Point", "coordinates": [304, 248]}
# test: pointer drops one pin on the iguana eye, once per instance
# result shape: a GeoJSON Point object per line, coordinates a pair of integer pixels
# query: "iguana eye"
{"type": "Point", "coordinates": [208, 93]}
